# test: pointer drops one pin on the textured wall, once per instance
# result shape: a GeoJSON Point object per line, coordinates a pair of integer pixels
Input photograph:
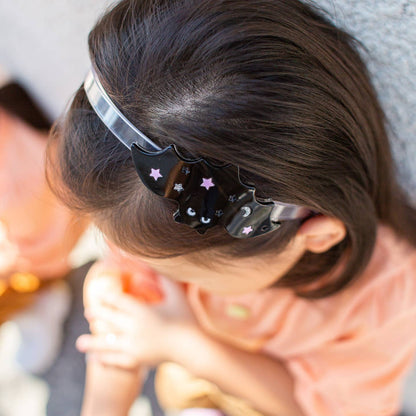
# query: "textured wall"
{"type": "Point", "coordinates": [43, 43]}
{"type": "Point", "coordinates": [388, 30]}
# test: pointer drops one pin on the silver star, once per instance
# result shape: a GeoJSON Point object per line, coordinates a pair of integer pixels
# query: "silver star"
{"type": "Point", "coordinates": [186, 170]}
{"type": "Point", "coordinates": [178, 187]}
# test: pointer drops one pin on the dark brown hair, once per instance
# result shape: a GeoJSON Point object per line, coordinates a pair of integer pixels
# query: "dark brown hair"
{"type": "Point", "coordinates": [15, 100]}
{"type": "Point", "coordinates": [271, 86]}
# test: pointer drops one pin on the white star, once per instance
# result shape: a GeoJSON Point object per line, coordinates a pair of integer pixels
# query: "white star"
{"type": "Point", "coordinates": [247, 230]}
{"type": "Point", "coordinates": [207, 183]}
{"type": "Point", "coordinates": [155, 174]}
{"type": "Point", "coordinates": [178, 187]}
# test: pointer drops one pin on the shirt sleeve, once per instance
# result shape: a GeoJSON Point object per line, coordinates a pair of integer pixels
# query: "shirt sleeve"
{"type": "Point", "coordinates": [357, 374]}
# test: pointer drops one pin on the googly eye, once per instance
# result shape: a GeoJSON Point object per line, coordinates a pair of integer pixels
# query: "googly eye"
{"type": "Point", "coordinates": [191, 212]}
{"type": "Point", "coordinates": [205, 220]}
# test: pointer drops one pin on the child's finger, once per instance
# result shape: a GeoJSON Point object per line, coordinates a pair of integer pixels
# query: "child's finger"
{"type": "Point", "coordinates": [110, 317]}
{"type": "Point", "coordinates": [100, 343]}
{"type": "Point", "coordinates": [98, 326]}
{"type": "Point", "coordinates": [121, 360]}
{"type": "Point", "coordinates": [123, 302]}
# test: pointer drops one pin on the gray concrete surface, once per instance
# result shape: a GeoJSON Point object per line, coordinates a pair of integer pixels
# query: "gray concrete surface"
{"type": "Point", "coordinates": [59, 390]}
{"type": "Point", "coordinates": [65, 379]}
{"type": "Point", "coordinates": [387, 28]}
{"type": "Point", "coordinates": [43, 43]}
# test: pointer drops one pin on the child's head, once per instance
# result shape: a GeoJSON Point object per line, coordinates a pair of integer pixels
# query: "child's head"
{"type": "Point", "coordinates": [269, 86]}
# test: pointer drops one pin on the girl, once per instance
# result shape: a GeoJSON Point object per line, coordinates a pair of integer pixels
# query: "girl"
{"type": "Point", "coordinates": [266, 186]}
{"type": "Point", "coordinates": [35, 237]}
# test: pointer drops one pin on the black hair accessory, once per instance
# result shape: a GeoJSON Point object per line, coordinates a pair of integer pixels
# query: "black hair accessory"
{"type": "Point", "coordinates": [207, 195]}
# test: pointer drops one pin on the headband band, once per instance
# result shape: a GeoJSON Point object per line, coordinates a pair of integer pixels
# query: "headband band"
{"type": "Point", "coordinates": [112, 117]}
{"type": "Point", "coordinates": [206, 194]}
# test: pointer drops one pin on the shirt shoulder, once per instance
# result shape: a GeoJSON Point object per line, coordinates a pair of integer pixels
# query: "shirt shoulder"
{"type": "Point", "coordinates": [279, 322]}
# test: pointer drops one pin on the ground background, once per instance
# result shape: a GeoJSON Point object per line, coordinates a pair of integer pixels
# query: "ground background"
{"type": "Point", "coordinates": [43, 44]}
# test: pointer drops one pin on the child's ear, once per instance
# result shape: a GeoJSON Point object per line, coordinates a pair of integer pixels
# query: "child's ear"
{"type": "Point", "coordinates": [321, 233]}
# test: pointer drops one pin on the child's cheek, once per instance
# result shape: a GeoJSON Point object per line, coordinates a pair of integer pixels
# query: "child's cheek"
{"type": "Point", "coordinates": [175, 305]}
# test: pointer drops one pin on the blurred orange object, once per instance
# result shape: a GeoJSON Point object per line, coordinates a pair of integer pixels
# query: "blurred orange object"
{"type": "Point", "coordinates": [18, 292]}
{"type": "Point", "coordinates": [144, 287]}
{"type": "Point", "coordinates": [119, 271]}
{"type": "Point", "coordinates": [24, 282]}
{"type": "Point", "coordinates": [3, 287]}
{"type": "Point", "coordinates": [138, 279]}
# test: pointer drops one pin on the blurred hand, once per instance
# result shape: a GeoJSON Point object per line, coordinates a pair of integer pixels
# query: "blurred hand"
{"type": "Point", "coordinates": [129, 329]}
{"type": "Point", "coordinates": [134, 335]}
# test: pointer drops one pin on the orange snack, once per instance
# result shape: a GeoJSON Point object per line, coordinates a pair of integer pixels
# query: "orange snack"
{"type": "Point", "coordinates": [137, 278]}
{"type": "Point", "coordinates": [142, 287]}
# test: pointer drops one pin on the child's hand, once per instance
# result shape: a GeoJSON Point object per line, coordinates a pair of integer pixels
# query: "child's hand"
{"type": "Point", "coordinates": [103, 277]}
{"type": "Point", "coordinates": [135, 332]}
{"type": "Point", "coordinates": [126, 330]}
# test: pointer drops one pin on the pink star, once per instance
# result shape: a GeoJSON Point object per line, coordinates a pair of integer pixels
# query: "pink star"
{"type": "Point", "coordinates": [155, 174]}
{"type": "Point", "coordinates": [207, 183]}
{"type": "Point", "coordinates": [247, 230]}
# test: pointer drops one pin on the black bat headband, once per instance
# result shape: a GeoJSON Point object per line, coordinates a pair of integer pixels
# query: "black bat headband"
{"type": "Point", "coordinates": [207, 195]}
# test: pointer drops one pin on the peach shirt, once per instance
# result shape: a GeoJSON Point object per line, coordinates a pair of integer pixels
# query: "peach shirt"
{"type": "Point", "coordinates": [348, 353]}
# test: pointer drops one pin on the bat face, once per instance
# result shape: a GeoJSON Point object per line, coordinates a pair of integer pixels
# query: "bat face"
{"type": "Point", "coordinates": [207, 195]}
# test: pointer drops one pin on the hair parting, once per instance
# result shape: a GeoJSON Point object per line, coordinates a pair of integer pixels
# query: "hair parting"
{"type": "Point", "coordinates": [271, 86]}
